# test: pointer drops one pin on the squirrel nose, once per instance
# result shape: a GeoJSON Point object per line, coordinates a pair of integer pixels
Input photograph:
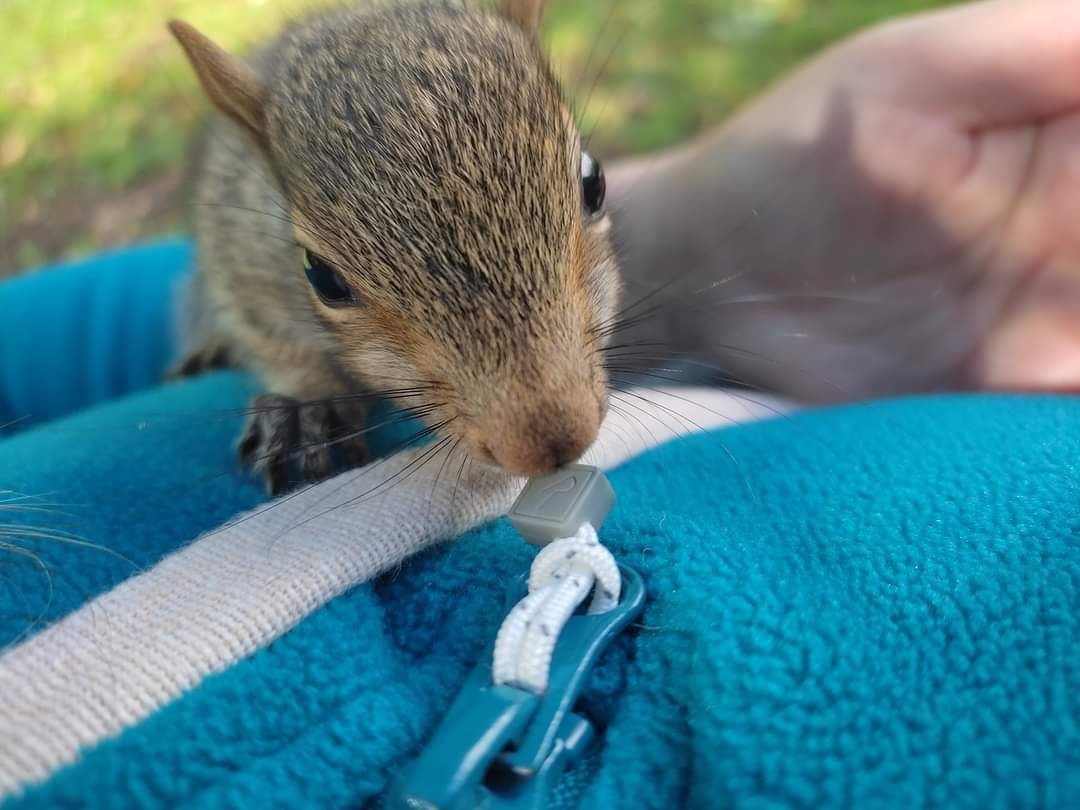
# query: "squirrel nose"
{"type": "Point", "coordinates": [543, 446]}
{"type": "Point", "coordinates": [560, 450]}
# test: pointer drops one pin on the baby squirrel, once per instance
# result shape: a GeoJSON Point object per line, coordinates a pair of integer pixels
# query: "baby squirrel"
{"type": "Point", "coordinates": [396, 198]}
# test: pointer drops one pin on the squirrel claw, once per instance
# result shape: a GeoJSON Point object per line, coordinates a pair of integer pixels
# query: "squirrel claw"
{"type": "Point", "coordinates": [290, 443]}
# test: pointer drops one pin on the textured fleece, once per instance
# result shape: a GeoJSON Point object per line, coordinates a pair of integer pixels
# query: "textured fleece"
{"type": "Point", "coordinates": [83, 332]}
{"type": "Point", "coordinates": [871, 607]}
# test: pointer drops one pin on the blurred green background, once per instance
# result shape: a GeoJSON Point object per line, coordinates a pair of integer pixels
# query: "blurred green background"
{"type": "Point", "coordinates": [97, 107]}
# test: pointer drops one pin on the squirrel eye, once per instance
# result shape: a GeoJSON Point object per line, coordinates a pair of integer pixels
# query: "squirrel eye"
{"type": "Point", "coordinates": [328, 283]}
{"type": "Point", "coordinates": [593, 184]}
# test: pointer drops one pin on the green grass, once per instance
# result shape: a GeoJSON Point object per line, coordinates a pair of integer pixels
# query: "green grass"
{"type": "Point", "coordinates": [95, 101]}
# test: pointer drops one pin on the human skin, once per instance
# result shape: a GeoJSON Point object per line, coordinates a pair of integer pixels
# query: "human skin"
{"type": "Point", "coordinates": [900, 214]}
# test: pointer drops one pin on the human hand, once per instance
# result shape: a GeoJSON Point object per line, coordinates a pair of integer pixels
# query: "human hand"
{"type": "Point", "coordinates": [897, 215]}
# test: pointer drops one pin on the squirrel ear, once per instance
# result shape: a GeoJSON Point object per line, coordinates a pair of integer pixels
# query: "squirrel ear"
{"type": "Point", "coordinates": [231, 85]}
{"type": "Point", "coordinates": [525, 13]}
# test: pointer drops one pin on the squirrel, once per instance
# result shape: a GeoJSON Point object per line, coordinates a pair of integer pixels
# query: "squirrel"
{"type": "Point", "coordinates": [395, 198]}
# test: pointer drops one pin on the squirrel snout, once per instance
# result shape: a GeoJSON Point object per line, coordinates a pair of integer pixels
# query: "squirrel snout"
{"type": "Point", "coordinates": [546, 441]}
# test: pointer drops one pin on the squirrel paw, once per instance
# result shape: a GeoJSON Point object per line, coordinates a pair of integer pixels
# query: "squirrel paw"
{"type": "Point", "coordinates": [209, 357]}
{"type": "Point", "coordinates": [288, 442]}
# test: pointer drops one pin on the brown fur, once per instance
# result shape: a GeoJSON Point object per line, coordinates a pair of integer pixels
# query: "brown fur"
{"type": "Point", "coordinates": [229, 83]}
{"type": "Point", "coordinates": [425, 151]}
{"type": "Point", "coordinates": [526, 13]}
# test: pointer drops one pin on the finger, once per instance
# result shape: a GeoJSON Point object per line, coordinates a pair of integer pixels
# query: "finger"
{"type": "Point", "coordinates": [983, 64]}
{"type": "Point", "coordinates": [1055, 188]}
{"type": "Point", "coordinates": [1037, 352]}
{"type": "Point", "coordinates": [1036, 347]}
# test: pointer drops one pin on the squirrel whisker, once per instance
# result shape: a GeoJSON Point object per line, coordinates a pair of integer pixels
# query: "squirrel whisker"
{"type": "Point", "coordinates": [413, 466]}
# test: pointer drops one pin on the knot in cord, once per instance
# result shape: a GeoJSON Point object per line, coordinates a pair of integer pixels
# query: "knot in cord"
{"type": "Point", "coordinates": [562, 576]}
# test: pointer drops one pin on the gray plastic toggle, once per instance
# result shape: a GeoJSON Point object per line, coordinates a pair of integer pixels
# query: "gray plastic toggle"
{"type": "Point", "coordinates": [557, 505]}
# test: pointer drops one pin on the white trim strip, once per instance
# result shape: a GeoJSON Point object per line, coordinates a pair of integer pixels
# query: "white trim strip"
{"type": "Point", "coordinates": [139, 646]}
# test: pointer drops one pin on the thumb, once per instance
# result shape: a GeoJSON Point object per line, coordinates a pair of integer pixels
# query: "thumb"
{"type": "Point", "coordinates": [983, 64]}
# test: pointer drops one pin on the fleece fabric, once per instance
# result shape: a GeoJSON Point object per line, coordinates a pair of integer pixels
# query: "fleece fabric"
{"type": "Point", "coordinates": [243, 585]}
{"type": "Point", "coordinates": [88, 331]}
{"type": "Point", "coordinates": [873, 606]}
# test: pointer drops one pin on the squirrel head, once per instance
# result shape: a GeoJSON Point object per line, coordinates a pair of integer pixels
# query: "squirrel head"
{"type": "Point", "coordinates": [448, 218]}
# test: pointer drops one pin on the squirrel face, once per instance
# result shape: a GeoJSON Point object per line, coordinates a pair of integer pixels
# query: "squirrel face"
{"type": "Point", "coordinates": [448, 219]}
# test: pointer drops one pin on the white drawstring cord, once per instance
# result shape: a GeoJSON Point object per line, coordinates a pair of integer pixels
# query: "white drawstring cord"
{"type": "Point", "coordinates": [562, 575]}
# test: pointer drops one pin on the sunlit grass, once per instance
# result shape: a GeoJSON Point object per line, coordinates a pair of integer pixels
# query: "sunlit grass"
{"type": "Point", "coordinates": [94, 91]}
{"type": "Point", "coordinates": [94, 97]}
